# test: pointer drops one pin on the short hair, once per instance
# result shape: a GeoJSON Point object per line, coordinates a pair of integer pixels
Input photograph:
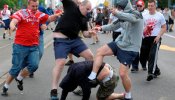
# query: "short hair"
{"type": "Point", "coordinates": [33, 1]}
{"type": "Point", "coordinates": [152, 1]}
{"type": "Point", "coordinates": [85, 2]}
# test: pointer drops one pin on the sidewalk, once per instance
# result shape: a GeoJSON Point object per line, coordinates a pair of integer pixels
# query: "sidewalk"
{"type": "Point", "coordinates": [5, 66]}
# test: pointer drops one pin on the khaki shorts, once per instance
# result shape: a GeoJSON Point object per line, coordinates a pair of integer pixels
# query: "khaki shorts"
{"type": "Point", "coordinates": [107, 88]}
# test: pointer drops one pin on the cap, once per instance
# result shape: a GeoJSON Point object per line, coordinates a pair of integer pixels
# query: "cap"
{"type": "Point", "coordinates": [140, 2]}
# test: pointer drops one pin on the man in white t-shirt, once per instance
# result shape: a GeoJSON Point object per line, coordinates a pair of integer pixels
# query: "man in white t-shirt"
{"type": "Point", "coordinates": [5, 15]}
{"type": "Point", "coordinates": [154, 28]}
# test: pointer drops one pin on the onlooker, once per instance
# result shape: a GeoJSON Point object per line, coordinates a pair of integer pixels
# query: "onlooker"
{"type": "Point", "coordinates": [126, 47]}
{"type": "Point", "coordinates": [115, 33]}
{"type": "Point", "coordinates": [26, 42]}
{"type": "Point", "coordinates": [166, 14]}
{"type": "Point", "coordinates": [67, 40]}
{"type": "Point", "coordinates": [135, 64]}
{"type": "Point", "coordinates": [5, 15]}
{"type": "Point", "coordinates": [171, 21]}
{"type": "Point", "coordinates": [155, 27]}
{"type": "Point", "coordinates": [77, 75]}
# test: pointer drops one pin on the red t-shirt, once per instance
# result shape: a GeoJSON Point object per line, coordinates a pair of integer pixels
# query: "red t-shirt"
{"type": "Point", "coordinates": [27, 33]}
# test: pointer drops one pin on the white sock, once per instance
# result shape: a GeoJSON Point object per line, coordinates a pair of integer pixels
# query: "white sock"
{"type": "Point", "coordinates": [19, 77]}
{"type": "Point", "coordinates": [128, 95]}
{"type": "Point", "coordinates": [92, 75]}
{"type": "Point", "coordinates": [6, 85]}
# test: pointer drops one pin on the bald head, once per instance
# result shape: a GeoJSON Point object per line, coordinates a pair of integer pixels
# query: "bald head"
{"type": "Point", "coordinates": [85, 7]}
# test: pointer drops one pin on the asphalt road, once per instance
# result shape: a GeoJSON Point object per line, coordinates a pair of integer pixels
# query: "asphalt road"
{"type": "Point", "coordinates": [38, 88]}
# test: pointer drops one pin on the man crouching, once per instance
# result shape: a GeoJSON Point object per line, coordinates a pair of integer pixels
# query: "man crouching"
{"type": "Point", "coordinates": [77, 75]}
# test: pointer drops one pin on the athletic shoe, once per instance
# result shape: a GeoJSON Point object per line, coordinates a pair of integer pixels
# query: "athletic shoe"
{"type": "Point", "coordinates": [31, 75]}
{"type": "Point", "coordinates": [150, 77]}
{"type": "Point", "coordinates": [54, 94]}
{"type": "Point", "coordinates": [78, 91]}
{"type": "Point", "coordinates": [128, 99]}
{"type": "Point", "coordinates": [70, 62]}
{"type": "Point", "coordinates": [144, 69]}
{"type": "Point", "coordinates": [157, 73]}
{"type": "Point", "coordinates": [19, 84]}
{"type": "Point", "coordinates": [4, 91]}
{"type": "Point", "coordinates": [4, 36]}
{"type": "Point", "coordinates": [93, 43]}
{"type": "Point", "coordinates": [134, 70]}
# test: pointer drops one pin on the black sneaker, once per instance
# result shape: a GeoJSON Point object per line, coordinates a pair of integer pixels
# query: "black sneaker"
{"type": "Point", "coordinates": [144, 69]}
{"type": "Point", "coordinates": [78, 91]}
{"type": "Point", "coordinates": [31, 75]}
{"type": "Point", "coordinates": [4, 91]}
{"type": "Point", "coordinates": [127, 99]}
{"type": "Point", "coordinates": [93, 43]}
{"type": "Point", "coordinates": [19, 84]}
{"type": "Point", "coordinates": [133, 70]}
{"type": "Point", "coordinates": [157, 73]}
{"type": "Point", "coordinates": [4, 36]}
{"type": "Point", "coordinates": [150, 77]}
{"type": "Point", "coordinates": [54, 94]}
{"type": "Point", "coordinates": [70, 62]}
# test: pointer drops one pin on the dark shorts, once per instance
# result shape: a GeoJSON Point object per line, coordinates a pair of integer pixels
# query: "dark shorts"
{"type": "Point", "coordinates": [124, 57]}
{"type": "Point", "coordinates": [107, 88]}
{"type": "Point", "coordinates": [7, 24]}
{"type": "Point", "coordinates": [63, 47]}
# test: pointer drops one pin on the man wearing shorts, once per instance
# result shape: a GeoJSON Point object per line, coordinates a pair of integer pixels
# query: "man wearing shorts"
{"type": "Point", "coordinates": [67, 40]}
{"type": "Point", "coordinates": [126, 47]}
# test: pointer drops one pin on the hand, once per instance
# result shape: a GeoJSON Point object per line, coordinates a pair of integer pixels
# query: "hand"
{"type": "Point", "coordinates": [114, 11]}
{"type": "Point", "coordinates": [97, 28]}
{"type": "Point", "coordinates": [43, 27]}
{"type": "Point", "coordinates": [59, 14]}
{"type": "Point", "coordinates": [157, 39]}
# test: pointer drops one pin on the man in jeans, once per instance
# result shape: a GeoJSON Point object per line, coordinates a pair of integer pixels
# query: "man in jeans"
{"type": "Point", "coordinates": [26, 42]}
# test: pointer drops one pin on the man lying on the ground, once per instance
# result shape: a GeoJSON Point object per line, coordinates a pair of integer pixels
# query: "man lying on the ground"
{"type": "Point", "coordinates": [77, 75]}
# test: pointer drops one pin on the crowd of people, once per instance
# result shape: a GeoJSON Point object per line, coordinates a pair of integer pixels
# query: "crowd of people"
{"type": "Point", "coordinates": [136, 37]}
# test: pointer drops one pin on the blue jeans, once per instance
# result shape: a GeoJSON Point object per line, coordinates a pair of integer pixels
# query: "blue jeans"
{"type": "Point", "coordinates": [41, 46]}
{"type": "Point", "coordinates": [21, 54]}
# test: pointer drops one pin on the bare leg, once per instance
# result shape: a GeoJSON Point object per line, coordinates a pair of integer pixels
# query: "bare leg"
{"type": "Point", "coordinates": [123, 71]}
{"type": "Point", "coordinates": [114, 96]}
{"type": "Point", "coordinates": [101, 52]}
{"type": "Point", "coordinates": [56, 73]}
{"type": "Point", "coordinates": [9, 79]}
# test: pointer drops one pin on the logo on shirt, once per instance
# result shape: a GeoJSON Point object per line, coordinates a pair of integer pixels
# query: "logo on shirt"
{"type": "Point", "coordinates": [150, 24]}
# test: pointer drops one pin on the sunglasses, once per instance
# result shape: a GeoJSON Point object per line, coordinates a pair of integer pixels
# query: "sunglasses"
{"type": "Point", "coordinates": [139, 6]}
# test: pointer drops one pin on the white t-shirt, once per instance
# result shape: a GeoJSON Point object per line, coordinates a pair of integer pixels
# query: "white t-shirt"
{"type": "Point", "coordinates": [113, 18]}
{"type": "Point", "coordinates": [153, 23]}
{"type": "Point", "coordinates": [5, 14]}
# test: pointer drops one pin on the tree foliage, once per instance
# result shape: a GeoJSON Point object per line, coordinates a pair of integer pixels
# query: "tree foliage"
{"type": "Point", "coordinates": [16, 3]}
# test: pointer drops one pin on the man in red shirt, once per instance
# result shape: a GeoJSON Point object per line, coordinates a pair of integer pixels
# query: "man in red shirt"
{"type": "Point", "coordinates": [26, 42]}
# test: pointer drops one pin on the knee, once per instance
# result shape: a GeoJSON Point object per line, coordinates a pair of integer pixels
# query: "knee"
{"type": "Point", "coordinates": [99, 52]}
{"type": "Point", "coordinates": [123, 74]}
{"type": "Point", "coordinates": [59, 64]}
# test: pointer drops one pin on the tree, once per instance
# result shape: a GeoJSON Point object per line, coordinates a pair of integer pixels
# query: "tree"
{"type": "Point", "coordinates": [10, 3]}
